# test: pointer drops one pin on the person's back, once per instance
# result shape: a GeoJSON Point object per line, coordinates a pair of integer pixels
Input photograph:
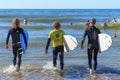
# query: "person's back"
{"type": "Point", "coordinates": [57, 37]}
{"type": "Point", "coordinates": [92, 33]}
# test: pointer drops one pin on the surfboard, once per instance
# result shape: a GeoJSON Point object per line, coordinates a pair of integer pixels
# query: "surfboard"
{"type": "Point", "coordinates": [23, 41]}
{"type": "Point", "coordinates": [105, 41]}
{"type": "Point", "coordinates": [70, 43]}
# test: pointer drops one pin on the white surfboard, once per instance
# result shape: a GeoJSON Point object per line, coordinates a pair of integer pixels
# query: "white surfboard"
{"type": "Point", "coordinates": [105, 41]}
{"type": "Point", "coordinates": [70, 43]}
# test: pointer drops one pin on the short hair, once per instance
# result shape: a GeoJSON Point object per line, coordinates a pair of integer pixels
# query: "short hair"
{"type": "Point", "coordinates": [56, 24]}
{"type": "Point", "coordinates": [93, 21]}
{"type": "Point", "coordinates": [17, 21]}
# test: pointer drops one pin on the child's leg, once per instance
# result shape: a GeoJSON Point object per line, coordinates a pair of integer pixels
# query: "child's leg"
{"type": "Point", "coordinates": [61, 60]}
{"type": "Point", "coordinates": [15, 58]}
{"type": "Point", "coordinates": [90, 58]}
{"type": "Point", "coordinates": [19, 55]}
{"type": "Point", "coordinates": [90, 61]}
{"type": "Point", "coordinates": [61, 57]}
{"type": "Point", "coordinates": [55, 54]}
{"type": "Point", "coordinates": [95, 58]}
{"type": "Point", "coordinates": [14, 55]}
{"type": "Point", "coordinates": [19, 60]}
{"type": "Point", "coordinates": [55, 59]}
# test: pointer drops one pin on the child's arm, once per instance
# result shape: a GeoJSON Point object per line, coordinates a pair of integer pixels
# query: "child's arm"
{"type": "Point", "coordinates": [7, 40]}
{"type": "Point", "coordinates": [83, 40]}
{"type": "Point", "coordinates": [47, 46]}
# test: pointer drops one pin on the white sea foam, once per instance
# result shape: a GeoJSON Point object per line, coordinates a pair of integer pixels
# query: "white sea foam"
{"type": "Point", "coordinates": [48, 67]}
{"type": "Point", "coordinates": [9, 69]}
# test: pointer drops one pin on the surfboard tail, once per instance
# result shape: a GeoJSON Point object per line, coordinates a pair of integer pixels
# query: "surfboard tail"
{"type": "Point", "coordinates": [70, 43]}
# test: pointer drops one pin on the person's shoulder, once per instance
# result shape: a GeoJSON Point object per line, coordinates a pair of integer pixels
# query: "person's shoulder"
{"type": "Point", "coordinates": [51, 31]}
{"type": "Point", "coordinates": [11, 29]}
{"type": "Point", "coordinates": [62, 31]}
{"type": "Point", "coordinates": [97, 28]}
{"type": "Point", "coordinates": [87, 29]}
{"type": "Point", "coordinates": [20, 28]}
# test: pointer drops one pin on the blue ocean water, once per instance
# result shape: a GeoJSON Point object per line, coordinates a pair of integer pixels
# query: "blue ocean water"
{"type": "Point", "coordinates": [60, 11]}
{"type": "Point", "coordinates": [67, 16]}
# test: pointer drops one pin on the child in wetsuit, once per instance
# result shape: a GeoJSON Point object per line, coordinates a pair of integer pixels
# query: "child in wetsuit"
{"type": "Point", "coordinates": [14, 32]}
{"type": "Point", "coordinates": [93, 45]}
{"type": "Point", "coordinates": [56, 35]}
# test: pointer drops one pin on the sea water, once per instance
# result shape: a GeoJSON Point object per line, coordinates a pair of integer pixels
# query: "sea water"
{"type": "Point", "coordinates": [38, 66]}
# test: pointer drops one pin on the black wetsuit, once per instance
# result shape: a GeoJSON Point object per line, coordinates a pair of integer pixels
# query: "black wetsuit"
{"type": "Point", "coordinates": [93, 45]}
{"type": "Point", "coordinates": [60, 50]}
{"type": "Point", "coordinates": [17, 49]}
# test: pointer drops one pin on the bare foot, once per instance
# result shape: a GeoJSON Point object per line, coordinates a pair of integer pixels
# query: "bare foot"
{"type": "Point", "coordinates": [90, 71]}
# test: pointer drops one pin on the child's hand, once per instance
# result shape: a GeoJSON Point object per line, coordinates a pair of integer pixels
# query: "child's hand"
{"type": "Point", "coordinates": [46, 52]}
{"type": "Point", "coordinates": [82, 47]}
{"type": "Point", "coordinates": [7, 47]}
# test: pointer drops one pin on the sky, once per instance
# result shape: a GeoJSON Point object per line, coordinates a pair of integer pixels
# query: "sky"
{"type": "Point", "coordinates": [59, 4]}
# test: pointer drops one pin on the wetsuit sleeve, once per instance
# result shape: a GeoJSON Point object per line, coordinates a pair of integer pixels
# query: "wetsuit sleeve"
{"type": "Point", "coordinates": [83, 40]}
{"type": "Point", "coordinates": [49, 40]}
{"type": "Point", "coordinates": [99, 31]}
{"type": "Point", "coordinates": [8, 36]}
{"type": "Point", "coordinates": [48, 43]}
{"type": "Point", "coordinates": [24, 38]}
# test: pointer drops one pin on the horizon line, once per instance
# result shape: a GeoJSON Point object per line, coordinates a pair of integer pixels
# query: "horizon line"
{"type": "Point", "coordinates": [60, 8]}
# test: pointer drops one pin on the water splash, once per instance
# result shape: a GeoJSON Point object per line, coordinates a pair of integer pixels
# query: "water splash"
{"type": "Point", "coordinates": [9, 69]}
{"type": "Point", "coordinates": [49, 67]}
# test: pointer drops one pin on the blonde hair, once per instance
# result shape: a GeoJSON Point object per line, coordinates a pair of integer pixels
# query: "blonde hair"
{"type": "Point", "coordinates": [16, 21]}
{"type": "Point", "coordinates": [56, 24]}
